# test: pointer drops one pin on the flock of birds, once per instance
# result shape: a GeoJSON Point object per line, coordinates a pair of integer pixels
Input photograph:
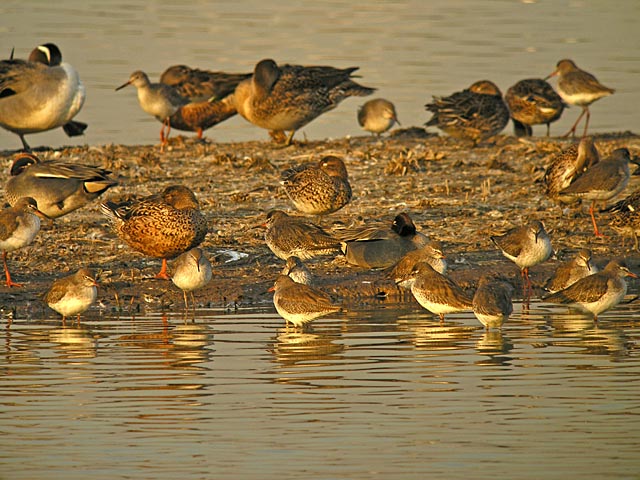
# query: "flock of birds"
{"type": "Point", "coordinates": [42, 93]}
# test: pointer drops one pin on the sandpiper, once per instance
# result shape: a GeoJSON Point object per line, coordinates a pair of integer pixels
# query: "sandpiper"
{"type": "Point", "coordinates": [577, 87]}
{"type": "Point", "coordinates": [299, 303]}
{"type": "Point", "coordinates": [40, 94]}
{"type": "Point", "coordinates": [74, 294]}
{"type": "Point", "coordinates": [526, 246]}
{"type": "Point", "coordinates": [598, 292]}
{"type": "Point", "coordinates": [287, 235]}
{"type": "Point", "coordinates": [157, 99]}
{"type": "Point", "coordinates": [571, 271]}
{"type": "Point", "coordinates": [431, 253]}
{"type": "Point", "coordinates": [287, 97]}
{"type": "Point", "coordinates": [492, 303]}
{"type": "Point", "coordinates": [198, 85]}
{"type": "Point", "coordinates": [19, 225]}
{"type": "Point", "coordinates": [318, 188]}
{"type": "Point", "coordinates": [161, 226]}
{"type": "Point", "coordinates": [377, 116]}
{"type": "Point", "coordinates": [568, 165]}
{"type": "Point", "coordinates": [297, 270]}
{"type": "Point", "coordinates": [533, 102]}
{"type": "Point", "coordinates": [625, 216]}
{"type": "Point", "coordinates": [436, 292]}
{"type": "Point", "coordinates": [57, 187]}
{"type": "Point", "coordinates": [602, 181]}
{"type": "Point", "coordinates": [192, 270]}
{"type": "Point", "coordinates": [476, 113]}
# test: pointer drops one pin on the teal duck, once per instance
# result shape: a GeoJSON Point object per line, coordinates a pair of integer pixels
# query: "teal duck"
{"type": "Point", "coordinates": [58, 187]}
{"type": "Point", "coordinates": [565, 167]}
{"type": "Point", "coordinates": [201, 85]}
{"type": "Point", "coordinates": [492, 303]}
{"type": "Point", "coordinates": [476, 113]}
{"type": "Point", "coordinates": [571, 271]}
{"type": "Point", "coordinates": [287, 97]}
{"type": "Point", "coordinates": [74, 294]}
{"type": "Point", "coordinates": [318, 188]}
{"type": "Point", "coordinates": [161, 226]}
{"type": "Point", "coordinates": [577, 87]}
{"type": "Point", "coordinates": [191, 271]}
{"type": "Point", "coordinates": [377, 116]}
{"type": "Point", "coordinates": [533, 102]}
{"type": "Point", "coordinates": [40, 94]}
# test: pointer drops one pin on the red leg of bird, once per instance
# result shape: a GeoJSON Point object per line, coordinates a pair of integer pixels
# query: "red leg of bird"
{"type": "Point", "coordinates": [586, 125]}
{"type": "Point", "coordinates": [199, 133]}
{"type": "Point", "coordinates": [162, 274]}
{"type": "Point", "coordinates": [593, 220]}
{"type": "Point", "coordinates": [7, 275]}
{"type": "Point", "coordinates": [573, 129]}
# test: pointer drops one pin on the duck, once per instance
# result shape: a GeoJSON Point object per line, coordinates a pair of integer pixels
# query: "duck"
{"type": "Point", "coordinates": [73, 294]}
{"type": "Point", "coordinates": [163, 225]}
{"type": "Point", "coordinates": [565, 167]}
{"type": "Point", "coordinates": [475, 113]}
{"type": "Point", "coordinates": [318, 188]}
{"type": "Point", "coordinates": [40, 94]}
{"type": "Point", "coordinates": [377, 116]}
{"type": "Point", "coordinates": [286, 97]}
{"type": "Point", "coordinates": [58, 187]}
{"type": "Point", "coordinates": [533, 101]}
{"type": "Point", "coordinates": [198, 85]}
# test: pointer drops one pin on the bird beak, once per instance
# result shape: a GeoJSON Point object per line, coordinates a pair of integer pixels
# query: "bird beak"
{"type": "Point", "coordinates": [123, 85]}
{"type": "Point", "coordinates": [631, 274]}
{"type": "Point", "coordinates": [272, 289]}
{"type": "Point", "coordinates": [552, 74]}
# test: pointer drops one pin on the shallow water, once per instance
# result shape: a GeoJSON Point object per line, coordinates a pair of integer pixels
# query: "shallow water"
{"type": "Point", "coordinates": [409, 50]}
{"type": "Point", "coordinates": [378, 393]}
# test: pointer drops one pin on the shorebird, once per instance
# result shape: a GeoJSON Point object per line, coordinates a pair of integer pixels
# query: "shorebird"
{"type": "Point", "coordinates": [201, 85]}
{"type": "Point", "coordinates": [161, 226]}
{"type": "Point", "coordinates": [577, 87]}
{"type": "Point", "coordinates": [381, 248]}
{"type": "Point", "coordinates": [287, 97]}
{"type": "Point", "coordinates": [377, 116]}
{"type": "Point", "coordinates": [287, 236]}
{"type": "Point", "coordinates": [475, 114]}
{"type": "Point", "coordinates": [431, 253]}
{"type": "Point", "coordinates": [192, 270]}
{"type": "Point", "coordinates": [156, 99]}
{"type": "Point", "coordinates": [19, 225]}
{"type": "Point", "coordinates": [300, 304]}
{"type": "Point", "coordinates": [533, 102]}
{"type": "Point", "coordinates": [318, 188]}
{"type": "Point", "coordinates": [74, 294]}
{"type": "Point", "coordinates": [200, 116]}
{"type": "Point", "coordinates": [492, 303]}
{"type": "Point", "coordinates": [566, 166]}
{"type": "Point", "coordinates": [571, 271]}
{"type": "Point", "coordinates": [598, 292]}
{"type": "Point", "coordinates": [40, 94]}
{"type": "Point", "coordinates": [625, 217]}
{"type": "Point", "coordinates": [57, 187]}
{"type": "Point", "coordinates": [526, 246]}
{"type": "Point", "coordinates": [602, 181]}
{"type": "Point", "coordinates": [297, 270]}
{"type": "Point", "coordinates": [436, 292]}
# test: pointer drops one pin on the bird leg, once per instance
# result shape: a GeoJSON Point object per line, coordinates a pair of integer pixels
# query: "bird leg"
{"type": "Point", "coordinates": [162, 274]}
{"type": "Point", "coordinates": [7, 275]}
{"type": "Point", "coordinates": [593, 220]}
{"type": "Point", "coordinates": [573, 129]}
{"type": "Point", "coordinates": [586, 125]}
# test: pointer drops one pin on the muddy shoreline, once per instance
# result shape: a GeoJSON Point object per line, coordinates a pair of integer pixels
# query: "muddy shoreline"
{"type": "Point", "coordinates": [454, 193]}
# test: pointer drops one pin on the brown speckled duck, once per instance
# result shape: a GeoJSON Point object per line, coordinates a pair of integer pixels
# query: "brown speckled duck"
{"type": "Point", "coordinates": [287, 97]}
{"type": "Point", "coordinates": [318, 188]}
{"type": "Point", "coordinates": [533, 102]}
{"type": "Point", "coordinates": [201, 85]}
{"type": "Point", "coordinates": [161, 226]}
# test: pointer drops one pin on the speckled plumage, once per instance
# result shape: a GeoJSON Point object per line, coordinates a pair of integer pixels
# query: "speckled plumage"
{"type": "Point", "coordinates": [58, 187]}
{"type": "Point", "coordinates": [492, 304]}
{"type": "Point", "coordinates": [377, 116]}
{"type": "Point", "coordinates": [571, 271]}
{"type": "Point", "coordinates": [533, 102]}
{"type": "Point", "coordinates": [318, 188]}
{"type": "Point", "coordinates": [300, 304]}
{"type": "Point", "coordinates": [287, 97]}
{"type": "Point", "coordinates": [475, 114]}
{"type": "Point", "coordinates": [431, 253]}
{"type": "Point", "coordinates": [287, 236]}
{"type": "Point", "coordinates": [200, 116]}
{"type": "Point", "coordinates": [73, 294]}
{"type": "Point", "coordinates": [198, 85]}
{"type": "Point", "coordinates": [566, 166]}
{"type": "Point", "coordinates": [297, 271]}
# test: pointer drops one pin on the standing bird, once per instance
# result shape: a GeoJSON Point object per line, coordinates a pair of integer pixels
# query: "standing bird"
{"type": "Point", "coordinates": [571, 271]}
{"type": "Point", "coordinates": [40, 94]}
{"type": "Point", "coordinates": [533, 102]}
{"type": "Point", "coordinates": [161, 226]}
{"type": "Point", "coordinates": [566, 166]}
{"type": "Point", "coordinates": [300, 304]}
{"type": "Point", "coordinates": [57, 187]}
{"type": "Point", "coordinates": [436, 292]}
{"type": "Point", "coordinates": [526, 246]}
{"type": "Point", "coordinates": [200, 116]}
{"type": "Point", "coordinates": [603, 181]}
{"type": "Point", "coordinates": [19, 225]}
{"type": "Point", "coordinates": [318, 188]}
{"type": "Point", "coordinates": [74, 294]}
{"type": "Point", "coordinates": [577, 87]}
{"type": "Point", "coordinates": [431, 253]}
{"type": "Point", "coordinates": [475, 114]}
{"type": "Point", "coordinates": [157, 99]}
{"type": "Point", "coordinates": [598, 292]}
{"type": "Point", "coordinates": [625, 217]}
{"type": "Point", "coordinates": [492, 303]}
{"type": "Point", "coordinates": [377, 116]}
{"type": "Point", "coordinates": [287, 236]}
{"type": "Point", "coordinates": [297, 271]}
{"type": "Point", "coordinates": [287, 97]}
{"type": "Point", "coordinates": [192, 271]}
{"type": "Point", "coordinates": [201, 85]}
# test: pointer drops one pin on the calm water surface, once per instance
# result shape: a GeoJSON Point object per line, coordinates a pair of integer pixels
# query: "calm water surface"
{"type": "Point", "coordinates": [409, 50]}
{"type": "Point", "coordinates": [384, 393]}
